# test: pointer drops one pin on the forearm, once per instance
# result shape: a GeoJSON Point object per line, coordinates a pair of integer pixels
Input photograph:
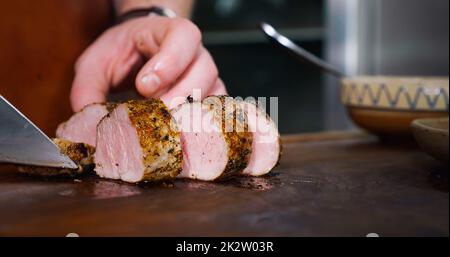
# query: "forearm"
{"type": "Point", "coordinates": [182, 8]}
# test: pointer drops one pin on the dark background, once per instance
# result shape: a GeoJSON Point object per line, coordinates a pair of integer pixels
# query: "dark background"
{"type": "Point", "coordinates": [401, 37]}
{"type": "Point", "coordinates": [251, 66]}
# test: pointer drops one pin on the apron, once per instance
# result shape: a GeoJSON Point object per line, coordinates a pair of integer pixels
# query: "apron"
{"type": "Point", "coordinates": [39, 44]}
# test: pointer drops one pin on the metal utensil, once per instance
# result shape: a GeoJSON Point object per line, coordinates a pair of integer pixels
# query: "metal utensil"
{"type": "Point", "coordinates": [301, 53]}
{"type": "Point", "coordinates": [21, 142]}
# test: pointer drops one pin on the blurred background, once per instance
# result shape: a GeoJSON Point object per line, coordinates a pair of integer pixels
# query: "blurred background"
{"type": "Point", "coordinates": [42, 39]}
{"type": "Point", "coordinates": [374, 37]}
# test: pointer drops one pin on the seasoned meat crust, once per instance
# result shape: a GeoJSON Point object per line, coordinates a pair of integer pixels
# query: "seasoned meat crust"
{"type": "Point", "coordinates": [235, 130]}
{"type": "Point", "coordinates": [110, 106]}
{"type": "Point", "coordinates": [81, 154]}
{"type": "Point", "coordinates": [153, 124]}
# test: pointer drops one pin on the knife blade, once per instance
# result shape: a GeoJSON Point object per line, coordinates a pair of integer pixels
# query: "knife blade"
{"type": "Point", "coordinates": [22, 142]}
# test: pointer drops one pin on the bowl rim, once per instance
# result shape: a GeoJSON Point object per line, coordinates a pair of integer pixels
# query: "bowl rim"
{"type": "Point", "coordinates": [423, 124]}
{"type": "Point", "coordinates": [408, 80]}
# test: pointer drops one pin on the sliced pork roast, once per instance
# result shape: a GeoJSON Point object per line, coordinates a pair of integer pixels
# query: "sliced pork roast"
{"type": "Point", "coordinates": [81, 154]}
{"type": "Point", "coordinates": [82, 126]}
{"type": "Point", "coordinates": [266, 141]}
{"type": "Point", "coordinates": [213, 146]}
{"type": "Point", "coordinates": [135, 142]}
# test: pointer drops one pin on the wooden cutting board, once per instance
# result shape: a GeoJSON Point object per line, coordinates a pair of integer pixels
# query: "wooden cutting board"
{"type": "Point", "coordinates": [338, 184]}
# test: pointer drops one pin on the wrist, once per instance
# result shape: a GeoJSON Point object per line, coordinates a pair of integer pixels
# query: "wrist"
{"type": "Point", "coordinates": [144, 12]}
{"type": "Point", "coordinates": [182, 8]}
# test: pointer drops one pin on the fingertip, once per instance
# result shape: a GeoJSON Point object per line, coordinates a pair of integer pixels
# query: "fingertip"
{"type": "Point", "coordinates": [77, 104]}
{"type": "Point", "coordinates": [148, 83]}
{"type": "Point", "coordinates": [82, 96]}
{"type": "Point", "coordinates": [75, 99]}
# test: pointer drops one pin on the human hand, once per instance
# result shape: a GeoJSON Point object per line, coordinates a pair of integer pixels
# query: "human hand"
{"type": "Point", "coordinates": [169, 52]}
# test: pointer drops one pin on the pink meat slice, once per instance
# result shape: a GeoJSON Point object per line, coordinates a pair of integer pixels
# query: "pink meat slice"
{"type": "Point", "coordinates": [210, 152]}
{"type": "Point", "coordinates": [266, 141]}
{"type": "Point", "coordinates": [135, 142]}
{"type": "Point", "coordinates": [118, 152]}
{"type": "Point", "coordinates": [205, 153]}
{"type": "Point", "coordinates": [82, 126]}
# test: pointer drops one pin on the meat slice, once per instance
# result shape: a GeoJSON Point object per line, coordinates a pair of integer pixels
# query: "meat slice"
{"type": "Point", "coordinates": [266, 141]}
{"type": "Point", "coordinates": [81, 154]}
{"type": "Point", "coordinates": [135, 142]}
{"type": "Point", "coordinates": [82, 126]}
{"type": "Point", "coordinates": [213, 147]}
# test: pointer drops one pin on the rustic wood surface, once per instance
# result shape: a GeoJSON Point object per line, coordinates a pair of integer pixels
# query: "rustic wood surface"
{"type": "Point", "coordinates": [338, 184]}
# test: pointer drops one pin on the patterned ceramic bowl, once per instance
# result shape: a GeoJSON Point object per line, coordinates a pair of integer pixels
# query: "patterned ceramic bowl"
{"type": "Point", "coordinates": [388, 105]}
